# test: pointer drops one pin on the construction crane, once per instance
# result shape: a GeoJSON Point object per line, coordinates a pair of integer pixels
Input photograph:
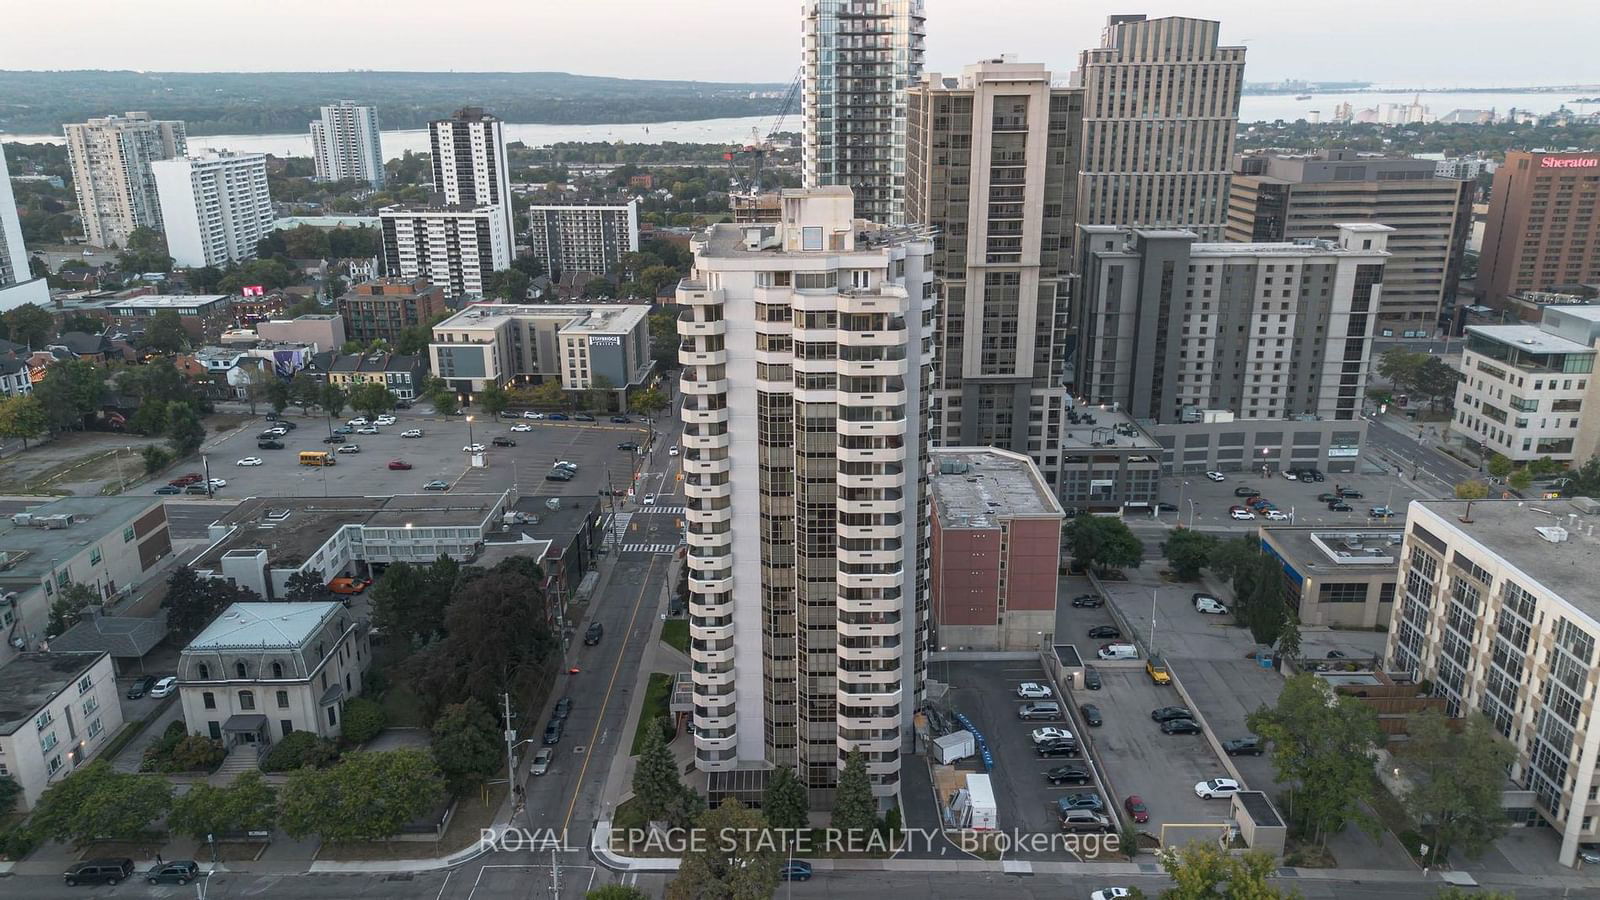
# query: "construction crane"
{"type": "Point", "coordinates": [755, 151]}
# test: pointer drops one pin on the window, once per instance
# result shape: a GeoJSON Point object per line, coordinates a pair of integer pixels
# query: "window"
{"type": "Point", "coordinates": [810, 239]}
{"type": "Point", "coordinates": [283, 699]}
{"type": "Point", "coordinates": [90, 705]}
{"type": "Point", "coordinates": [54, 765]}
{"type": "Point", "coordinates": [247, 700]}
{"type": "Point", "coordinates": [277, 670]}
{"type": "Point", "coordinates": [1343, 592]}
{"type": "Point", "coordinates": [205, 672]}
{"type": "Point", "coordinates": [239, 670]}
{"type": "Point", "coordinates": [127, 534]}
{"type": "Point", "coordinates": [333, 716]}
{"type": "Point", "coordinates": [84, 684]}
{"type": "Point", "coordinates": [209, 700]}
{"type": "Point", "coordinates": [44, 720]}
{"type": "Point", "coordinates": [94, 556]}
{"type": "Point", "coordinates": [95, 727]}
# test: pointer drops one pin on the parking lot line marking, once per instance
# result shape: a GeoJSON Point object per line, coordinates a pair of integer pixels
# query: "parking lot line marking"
{"type": "Point", "coordinates": [638, 602]}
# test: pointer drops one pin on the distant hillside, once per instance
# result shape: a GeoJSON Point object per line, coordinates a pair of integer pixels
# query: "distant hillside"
{"type": "Point", "coordinates": [273, 102]}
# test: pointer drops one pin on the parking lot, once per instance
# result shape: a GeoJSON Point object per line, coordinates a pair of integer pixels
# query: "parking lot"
{"type": "Point", "coordinates": [437, 455]}
{"type": "Point", "coordinates": [1212, 498]}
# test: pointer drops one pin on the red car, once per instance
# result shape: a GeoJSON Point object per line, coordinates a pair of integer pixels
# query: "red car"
{"type": "Point", "coordinates": [185, 480]}
{"type": "Point", "coordinates": [399, 464]}
{"type": "Point", "coordinates": [1136, 808]}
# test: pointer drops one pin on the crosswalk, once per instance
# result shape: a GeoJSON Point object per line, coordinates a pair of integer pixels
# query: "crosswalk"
{"type": "Point", "coordinates": [660, 510]}
{"type": "Point", "coordinates": [650, 548]}
{"type": "Point", "coordinates": [619, 524]}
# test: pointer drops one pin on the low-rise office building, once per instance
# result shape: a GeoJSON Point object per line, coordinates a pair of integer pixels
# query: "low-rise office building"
{"type": "Point", "coordinates": [57, 710]}
{"type": "Point", "coordinates": [262, 671]}
{"type": "Point", "coordinates": [320, 331]}
{"type": "Point", "coordinates": [996, 546]}
{"type": "Point", "coordinates": [1525, 387]}
{"type": "Point", "coordinates": [1109, 463]}
{"type": "Point", "coordinates": [1337, 577]}
{"type": "Point", "coordinates": [204, 316]}
{"type": "Point", "coordinates": [382, 309]}
{"type": "Point", "coordinates": [263, 541]}
{"type": "Point", "coordinates": [1498, 613]}
{"type": "Point", "coordinates": [501, 343]}
{"type": "Point", "coordinates": [109, 544]}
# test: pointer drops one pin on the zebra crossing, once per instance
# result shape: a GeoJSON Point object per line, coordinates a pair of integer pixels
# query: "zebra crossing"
{"type": "Point", "coordinates": [659, 510]}
{"type": "Point", "coordinates": [650, 548]}
{"type": "Point", "coordinates": [619, 525]}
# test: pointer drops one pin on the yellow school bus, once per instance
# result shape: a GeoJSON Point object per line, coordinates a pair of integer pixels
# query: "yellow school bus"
{"type": "Point", "coordinates": [317, 458]}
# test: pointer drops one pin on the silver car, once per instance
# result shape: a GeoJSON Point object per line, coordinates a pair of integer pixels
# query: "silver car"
{"type": "Point", "coordinates": [541, 761]}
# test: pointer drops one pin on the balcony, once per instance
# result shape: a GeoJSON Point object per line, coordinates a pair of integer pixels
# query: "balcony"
{"type": "Point", "coordinates": [688, 355]}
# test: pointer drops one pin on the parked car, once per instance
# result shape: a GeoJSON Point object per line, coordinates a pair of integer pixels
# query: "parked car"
{"type": "Point", "coordinates": [1168, 713]}
{"type": "Point", "coordinates": [1327, 498]}
{"type": "Point", "coordinates": [503, 442]}
{"type": "Point", "coordinates": [333, 439]}
{"type": "Point", "coordinates": [1338, 506]}
{"type": "Point", "coordinates": [1068, 775]}
{"type": "Point", "coordinates": [795, 870]}
{"type": "Point", "coordinates": [169, 489]}
{"type": "Point", "coordinates": [541, 761]}
{"type": "Point", "coordinates": [1046, 710]}
{"type": "Point", "coordinates": [1080, 800]}
{"type": "Point", "coordinates": [1050, 733]}
{"type": "Point", "coordinates": [1245, 492]}
{"type": "Point", "coordinates": [1087, 601]}
{"type": "Point", "coordinates": [1290, 476]}
{"type": "Point", "coordinates": [522, 426]}
{"type": "Point", "coordinates": [367, 429]}
{"type": "Point", "coordinates": [164, 687]}
{"type": "Point", "coordinates": [384, 420]}
{"type": "Point", "coordinates": [558, 475]}
{"type": "Point", "coordinates": [1205, 603]}
{"type": "Point", "coordinates": [173, 871]}
{"type": "Point", "coordinates": [532, 415]}
{"type": "Point", "coordinates": [344, 429]}
{"type": "Point", "coordinates": [1216, 476]}
{"type": "Point", "coordinates": [1091, 678]}
{"type": "Point", "coordinates": [198, 489]}
{"type": "Point", "coordinates": [1091, 715]}
{"type": "Point", "coordinates": [411, 433]}
{"type": "Point", "coordinates": [1136, 808]}
{"type": "Point", "coordinates": [473, 448]}
{"type": "Point", "coordinates": [1277, 515]}
{"type": "Point", "coordinates": [1156, 668]}
{"type": "Point", "coordinates": [344, 584]}
{"type": "Point", "coordinates": [558, 417]}
{"type": "Point", "coordinates": [1113, 893]}
{"type": "Point", "coordinates": [621, 420]}
{"type": "Point", "coordinates": [269, 445]}
{"type": "Point", "coordinates": [1241, 515]}
{"type": "Point", "coordinates": [358, 421]}
{"type": "Point", "coordinates": [437, 485]}
{"type": "Point", "coordinates": [1180, 726]}
{"type": "Point", "coordinates": [1086, 821]}
{"type": "Point", "coordinates": [1245, 746]}
{"type": "Point", "coordinates": [1381, 512]}
{"type": "Point", "coordinates": [567, 464]}
{"type": "Point", "coordinates": [563, 708]}
{"type": "Point", "coordinates": [552, 731]}
{"type": "Point", "coordinates": [1215, 788]}
{"type": "Point", "coordinates": [628, 445]}
{"type": "Point", "coordinates": [1058, 749]}
{"type": "Point", "coordinates": [399, 465]}
{"type": "Point", "coordinates": [349, 448]}
{"type": "Point", "coordinates": [141, 687]}
{"type": "Point", "coordinates": [582, 417]}
{"type": "Point", "coordinates": [592, 635]}
{"type": "Point", "coordinates": [189, 478]}
{"type": "Point", "coordinates": [1349, 493]}
{"type": "Point", "coordinates": [1164, 506]}
{"type": "Point", "coordinates": [1032, 690]}
{"type": "Point", "coordinates": [1105, 631]}
{"type": "Point", "coordinates": [98, 871]}
{"type": "Point", "coordinates": [249, 461]}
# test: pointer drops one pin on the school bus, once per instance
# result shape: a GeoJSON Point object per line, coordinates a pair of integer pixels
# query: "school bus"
{"type": "Point", "coordinates": [317, 458]}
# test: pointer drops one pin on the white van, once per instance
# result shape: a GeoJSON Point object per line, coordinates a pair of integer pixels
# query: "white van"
{"type": "Point", "coordinates": [1205, 603]}
{"type": "Point", "coordinates": [1119, 651]}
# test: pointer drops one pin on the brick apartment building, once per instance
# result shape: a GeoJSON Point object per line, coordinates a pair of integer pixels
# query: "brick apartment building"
{"type": "Point", "coordinates": [384, 307]}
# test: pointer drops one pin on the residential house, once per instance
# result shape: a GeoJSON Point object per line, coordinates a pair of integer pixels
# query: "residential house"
{"type": "Point", "coordinates": [401, 374]}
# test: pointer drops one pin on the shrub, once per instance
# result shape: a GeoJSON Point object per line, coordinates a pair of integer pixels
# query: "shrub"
{"type": "Point", "coordinates": [178, 751]}
{"type": "Point", "coordinates": [300, 749]}
{"type": "Point", "coordinates": [17, 842]}
{"type": "Point", "coordinates": [363, 719]}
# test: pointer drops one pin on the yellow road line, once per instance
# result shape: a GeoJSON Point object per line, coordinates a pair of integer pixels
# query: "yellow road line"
{"type": "Point", "coordinates": [600, 720]}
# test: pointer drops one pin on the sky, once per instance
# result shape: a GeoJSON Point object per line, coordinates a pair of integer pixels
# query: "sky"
{"type": "Point", "coordinates": [1402, 43]}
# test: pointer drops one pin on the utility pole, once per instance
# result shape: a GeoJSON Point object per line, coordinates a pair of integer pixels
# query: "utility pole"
{"type": "Point", "coordinates": [511, 742]}
{"type": "Point", "coordinates": [555, 876]}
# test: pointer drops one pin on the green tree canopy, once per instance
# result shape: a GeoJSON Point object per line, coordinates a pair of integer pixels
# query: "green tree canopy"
{"type": "Point", "coordinates": [493, 400]}
{"type": "Point", "coordinates": [1204, 871]}
{"type": "Point", "coordinates": [409, 601]}
{"type": "Point", "coordinates": [332, 399]}
{"type": "Point", "coordinates": [1438, 380]}
{"type": "Point", "coordinates": [371, 399]}
{"type": "Point", "coordinates": [192, 602]}
{"type": "Point", "coordinates": [743, 866]}
{"type": "Point", "coordinates": [248, 804]}
{"type": "Point", "coordinates": [785, 803]}
{"type": "Point", "coordinates": [1321, 743]}
{"type": "Point", "coordinates": [855, 810]}
{"type": "Point", "coordinates": [30, 325]}
{"type": "Point", "coordinates": [164, 333]}
{"type": "Point", "coordinates": [648, 402]}
{"type": "Point", "coordinates": [184, 432]}
{"type": "Point", "coordinates": [1188, 551]}
{"type": "Point", "coordinates": [1471, 490]}
{"type": "Point", "coordinates": [616, 892]}
{"type": "Point", "coordinates": [656, 785]}
{"type": "Point", "coordinates": [1499, 465]}
{"type": "Point", "coordinates": [68, 607]}
{"type": "Point", "coordinates": [97, 802]}
{"type": "Point", "coordinates": [365, 797]}
{"type": "Point", "coordinates": [146, 252]}
{"type": "Point", "coordinates": [1104, 542]}
{"type": "Point", "coordinates": [1457, 780]}
{"type": "Point", "coordinates": [509, 284]}
{"type": "Point", "coordinates": [1402, 367]}
{"type": "Point", "coordinates": [22, 416]}
{"type": "Point", "coordinates": [467, 746]}
{"type": "Point", "coordinates": [364, 719]}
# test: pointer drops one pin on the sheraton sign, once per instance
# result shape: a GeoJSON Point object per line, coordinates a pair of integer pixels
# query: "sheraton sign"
{"type": "Point", "coordinates": [1569, 162]}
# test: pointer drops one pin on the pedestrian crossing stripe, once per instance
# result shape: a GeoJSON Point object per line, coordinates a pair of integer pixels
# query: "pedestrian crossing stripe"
{"type": "Point", "coordinates": [619, 524]}
{"type": "Point", "coordinates": [661, 510]}
{"type": "Point", "coordinates": [649, 548]}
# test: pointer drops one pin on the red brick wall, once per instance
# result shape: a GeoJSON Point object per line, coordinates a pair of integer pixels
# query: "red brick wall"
{"type": "Point", "coordinates": [965, 577]}
{"type": "Point", "coordinates": [1031, 564]}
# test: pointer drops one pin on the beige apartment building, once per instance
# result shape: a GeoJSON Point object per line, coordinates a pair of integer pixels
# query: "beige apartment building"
{"type": "Point", "coordinates": [111, 173]}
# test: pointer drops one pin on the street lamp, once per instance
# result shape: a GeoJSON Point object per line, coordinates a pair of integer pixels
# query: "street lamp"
{"type": "Point", "coordinates": [469, 431]}
{"type": "Point", "coordinates": [1183, 489]}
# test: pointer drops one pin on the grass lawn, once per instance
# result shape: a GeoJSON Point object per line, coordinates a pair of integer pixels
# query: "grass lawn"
{"type": "Point", "coordinates": [675, 633]}
{"type": "Point", "coordinates": [657, 703]}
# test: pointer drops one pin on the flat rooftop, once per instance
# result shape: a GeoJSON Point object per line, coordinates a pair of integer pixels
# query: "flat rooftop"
{"type": "Point", "coordinates": [1104, 427]}
{"type": "Point", "coordinates": [560, 525]}
{"type": "Point", "coordinates": [31, 679]}
{"type": "Point", "coordinates": [1529, 338]}
{"type": "Point", "coordinates": [1506, 528]}
{"type": "Point", "coordinates": [1328, 551]}
{"type": "Point", "coordinates": [602, 319]}
{"type": "Point", "coordinates": [291, 529]}
{"type": "Point", "coordinates": [168, 301]}
{"type": "Point", "coordinates": [727, 239]}
{"type": "Point", "coordinates": [977, 487]}
{"type": "Point", "coordinates": [264, 626]}
{"type": "Point", "coordinates": [26, 551]}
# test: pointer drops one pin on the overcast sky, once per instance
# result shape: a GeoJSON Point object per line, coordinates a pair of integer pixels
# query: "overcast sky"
{"type": "Point", "coordinates": [1426, 43]}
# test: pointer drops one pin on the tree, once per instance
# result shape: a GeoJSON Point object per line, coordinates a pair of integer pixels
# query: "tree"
{"type": "Point", "coordinates": [371, 399]}
{"type": "Point", "coordinates": [549, 394]}
{"type": "Point", "coordinates": [204, 279]}
{"type": "Point", "coordinates": [97, 802]}
{"type": "Point", "coordinates": [409, 601]}
{"type": "Point", "coordinates": [365, 797]}
{"type": "Point", "coordinates": [1520, 480]}
{"type": "Point", "coordinates": [305, 391]}
{"type": "Point", "coordinates": [1104, 542]}
{"type": "Point", "coordinates": [248, 804]}
{"type": "Point", "coordinates": [10, 795]}
{"type": "Point", "coordinates": [1260, 600]}
{"type": "Point", "coordinates": [71, 391]}
{"type": "Point", "coordinates": [155, 459]}
{"type": "Point", "coordinates": [332, 399]}
{"type": "Point", "coordinates": [1438, 380]}
{"type": "Point", "coordinates": [1457, 777]}
{"type": "Point", "coordinates": [30, 325]}
{"type": "Point", "coordinates": [258, 382]}
{"type": "Point", "coordinates": [81, 322]}
{"type": "Point", "coordinates": [1401, 367]}
{"type": "Point", "coordinates": [146, 251]}
{"type": "Point", "coordinates": [664, 337]}
{"type": "Point", "coordinates": [1500, 465]}
{"type": "Point", "coordinates": [185, 434]}
{"type": "Point", "coordinates": [363, 720]}
{"type": "Point", "coordinates": [164, 334]}
{"type": "Point", "coordinates": [1199, 871]}
{"type": "Point", "coordinates": [509, 284]}
{"type": "Point", "coordinates": [22, 416]}
{"type": "Point", "coordinates": [655, 779]}
{"type": "Point", "coordinates": [737, 865]}
{"type": "Point", "coordinates": [601, 393]}
{"type": "Point", "coordinates": [299, 749]}
{"type": "Point", "coordinates": [1188, 551]}
{"type": "Point", "coordinates": [192, 602]}
{"type": "Point", "coordinates": [855, 810]}
{"type": "Point", "coordinates": [304, 585]}
{"type": "Point", "coordinates": [444, 402]}
{"type": "Point", "coordinates": [616, 892]}
{"type": "Point", "coordinates": [1289, 636]}
{"type": "Point", "coordinates": [68, 607]}
{"type": "Point", "coordinates": [278, 395]}
{"type": "Point", "coordinates": [785, 803]}
{"type": "Point", "coordinates": [1471, 490]}
{"type": "Point", "coordinates": [648, 402]}
{"type": "Point", "coordinates": [467, 746]}
{"type": "Point", "coordinates": [493, 400]}
{"type": "Point", "coordinates": [1321, 741]}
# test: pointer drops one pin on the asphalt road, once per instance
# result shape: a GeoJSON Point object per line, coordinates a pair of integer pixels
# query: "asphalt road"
{"type": "Point", "coordinates": [1435, 471]}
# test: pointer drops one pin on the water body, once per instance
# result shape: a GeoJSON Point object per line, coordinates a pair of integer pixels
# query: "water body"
{"type": "Point", "coordinates": [1252, 108]}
